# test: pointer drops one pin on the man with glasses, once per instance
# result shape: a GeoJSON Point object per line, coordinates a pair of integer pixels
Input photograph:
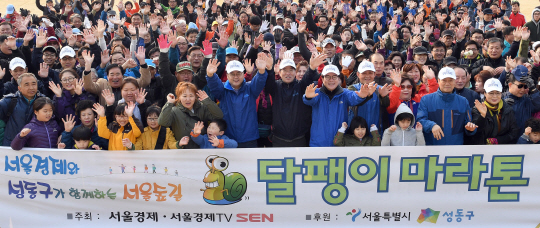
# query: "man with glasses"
{"type": "Point", "coordinates": [534, 25]}
{"type": "Point", "coordinates": [471, 54]}
{"type": "Point", "coordinates": [322, 27]}
{"type": "Point", "coordinates": [522, 95]}
{"type": "Point", "coordinates": [444, 115]}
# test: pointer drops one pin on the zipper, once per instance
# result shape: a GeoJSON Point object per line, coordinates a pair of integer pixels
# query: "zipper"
{"type": "Point", "coordinates": [452, 118]}
{"type": "Point", "coordinates": [443, 118]}
{"type": "Point", "coordinates": [403, 138]}
{"type": "Point", "coordinates": [47, 130]}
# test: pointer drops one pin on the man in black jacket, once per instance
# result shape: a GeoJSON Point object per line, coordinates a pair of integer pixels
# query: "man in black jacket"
{"type": "Point", "coordinates": [495, 62]}
{"type": "Point", "coordinates": [462, 79]}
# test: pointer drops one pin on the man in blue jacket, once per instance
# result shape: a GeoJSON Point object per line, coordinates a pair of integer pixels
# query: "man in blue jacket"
{"type": "Point", "coordinates": [22, 113]}
{"type": "Point", "coordinates": [237, 98]}
{"type": "Point", "coordinates": [329, 105]}
{"type": "Point", "coordinates": [444, 114]}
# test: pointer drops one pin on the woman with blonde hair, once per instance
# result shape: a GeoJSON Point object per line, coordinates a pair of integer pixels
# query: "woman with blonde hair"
{"type": "Point", "coordinates": [182, 112]}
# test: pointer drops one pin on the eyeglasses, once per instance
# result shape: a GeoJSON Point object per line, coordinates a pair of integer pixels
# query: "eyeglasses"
{"type": "Point", "coordinates": [197, 56]}
{"type": "Point", "coordinates": [182, 43]}
{"type": "Point", "coordinates": [67, 80]}
{"type": "Point", "coordinates": [331, 77]}
{"type": "Point", "coordinates": [471, 49]}
{"type": "Point", "coordinates": [406, 86]}
{"type": "Point", "coordinates": [522, 86]}
{"type": "Point", "coordinates": [121, 117]}
{"type": "Point", "coordinates": [49, 55]}
{"type": "Point", "coordinates": [151, 119]}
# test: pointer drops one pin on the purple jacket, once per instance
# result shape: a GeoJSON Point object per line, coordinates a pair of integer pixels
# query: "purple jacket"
{"type": "Point", "coordinates": [43, 135]}
{"type": "Point", "coordinates": [65, 105]}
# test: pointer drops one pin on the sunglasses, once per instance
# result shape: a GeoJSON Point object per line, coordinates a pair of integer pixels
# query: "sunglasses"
{"type": "Point", "coordinates": [406, 86]}
{"type": "Point", "coordinates": [522, 86]}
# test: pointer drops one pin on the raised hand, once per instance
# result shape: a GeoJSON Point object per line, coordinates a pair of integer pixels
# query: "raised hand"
{"type": "Point", "coordinates": [418, 126]}
{"type": "Point", "coordinates": [29, 36]}
{"type": "Point", "coordinates": [25, 132]}
{"type": "Point", "coordinates": [481, 107]}
{"type": "Point", "coordinates": [140, 55]}
{"type": "Point", "coordinates": [79, 85]}
{"type": "Point", "coordinates": [56, 89]}
{"type": "Point", "coordinates": [99, 110]}
{"type": "Point", "coordinates": [140, 95]}
{"type": "Point", "coordinates": [310, 91]}
{"type": "Point", "coordinates": [364, 91]}
{"type": "Point", "coordinates": [170, 98]}
{"type": "Point", "coordinates": [258, 40]}
{"type": "Point", "coordinates": [108, 96]}
{"type": "Point", "coordinates": [316, 60]}
{"type": "Point", "coordinates": [223, 39]}
{"type": "Point", "coordinates": [470, 126]}
{"type": "Point", "coordinates": [525, 33]}
{"type": "Point", "coordinates": [184, 141]}
{"type": "Point", "coordinates": [127, 143]}
{"type": "Point", "coordinates": [396, 77]}
{"type": "Point", "coordinates": [211, 69]}
{"type": "Point", "coordinates": [248, 66]}
{"type": "Point", "coordinates": [344, 125]}
{"type": "Point", "coordinates": [105, 57]}
{"type": "Point", "coordinates": [528, 131]}
{"type": "Point", "coordinates": [43, 70]}
{"type": "Point", "coordinates": [372, 87]}
{"type": "Point", "coordinates": [163, 42]}
{"type": "Point", "coordinates": [510, 64]}
{"type": "Point", "coordinates": [385, 90]}
{"type": "Point", "coordinates": [428, 72]}
{"type": "Point", "coordinates": [197, 129]}
{"type": "Point", "coordinates": [69, 122]}
{"type": "Point", "coordinates": [392, 128]}
{"type": "Point", "coordinates": [214, 140]}
{"type": "Point", "coordinates": [202, 95]}
{"type": "Point", "coordinates": [130, 107]}
{"type": "Point", "coordinates": [260, 62]}
{"type": "Point", "coordinates": [89, 37]}
{"type": "Point", "coordinates": [164, 27]}
{"type": "Point", "coordinates": [302, 27]}
{"type": "Point", "coordinates": [88, 59]}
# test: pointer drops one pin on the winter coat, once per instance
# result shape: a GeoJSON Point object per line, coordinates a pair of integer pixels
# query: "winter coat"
{"type": "Point", "coordinates": [342, 139]}
{"type": "Point", "coordinates": [65, 105]}
{"type": "Point", "coordinates": [43, 135]}
{"type": "Point", "coordinates": [224, 141]}
{"type": "Point", "coordinates": [373, 110]}
{"type": "Point", "coordinates": [494, 63]}
{"type": "Point", "coordinates": [115, 133]}
{"type": "Point", "coordinates": [328, 114]}
{"type": "Point", "coordinates": [400, 137]}
{"type": "Point", "coordinates": [291, 117]}
{"type": "Point", "coordinates": [523, 107]}
{"type": "Point", "coordinates": [148, 140]}
{"type": "Point", "coordinates": [22, 114]}
{"type": "Point", "coordinates": [488, 126]}
{"type": "Point", "coordinates": [448, 110]}
{"type": "Point", "coordinates": [182, 120]}
{"type": "Point", "coordinates": [534, 27]}
{"type": "Point", "coordinates": [67, 138]}
{"type": "Point", "coordinates": [524, 139]}
{"type": "Point", "coordinates": [239, 107]}
{"type": "Point", "coordinates": [470, 95]}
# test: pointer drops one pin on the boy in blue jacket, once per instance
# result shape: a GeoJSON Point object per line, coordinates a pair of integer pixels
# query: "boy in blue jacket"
{"type": "Point", "coordinates": [532, 132]}
{"type": "Point", "coordinates": [214, 137]}
{"type": "Point", "coordinates": [237, 98]}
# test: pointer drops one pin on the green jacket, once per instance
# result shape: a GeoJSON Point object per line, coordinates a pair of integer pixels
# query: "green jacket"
{"type": "Point", "coordinates": [342, 139]}
{"type": "Point", "coordinates": [182, 120]}
{"type": "Point", "coordinates": [2, 129]}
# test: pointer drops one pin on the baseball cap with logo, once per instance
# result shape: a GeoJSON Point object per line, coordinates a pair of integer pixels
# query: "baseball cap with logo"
{"type": "Point", "coordinates": [67, 50]}
{"type": "Point", "coordinates": [330, 69]}
{"type": "Point", "coordinates": [16, 62]}
{"type": "Point", "coordinates": [490, 27]}
{"type": "Point", "coordinates": [365, 66]}
{"type": "Point", "coordinates": [520, 71]}
{"type": "Point", "coordinates": [296, 49]}
{"type": "Point", "coordinates": [185, 65]}
{"type": "Point", "coordinates": [328, 41]}
{"type": "Point", "coordinates": [231, 51]}
{"type": "Point", "coordinates": [234, 66]}
{"type": "Point", "coordinates": [447, 72]}
{"type": "Point", "coordinates": [286, 63]}
{"type": "Point", "coordinates": [493, 84]}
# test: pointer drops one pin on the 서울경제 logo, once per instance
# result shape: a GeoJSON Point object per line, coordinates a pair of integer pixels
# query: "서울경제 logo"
{"type": "Point", "coordinates": [428, 215]}
{"type": "Point", "coordinates": [354, 214]}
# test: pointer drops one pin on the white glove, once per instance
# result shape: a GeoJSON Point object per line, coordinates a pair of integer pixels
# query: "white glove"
{"type": "Point", "coordinates": [346, 61]}
{"type": "Point", "coordinates": [373, 128]}
{"type": "Point", "coordinates": [264, 26]}
{"type": "Point", "coordinates": [87, 23]}
{"type": "Point", "coordinates": [294, 28]}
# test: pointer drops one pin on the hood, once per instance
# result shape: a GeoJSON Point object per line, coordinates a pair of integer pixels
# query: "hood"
{"type": "Point", "coordinates": [403, 108]}
{"type": "Point", "coordinates": [532, 14]}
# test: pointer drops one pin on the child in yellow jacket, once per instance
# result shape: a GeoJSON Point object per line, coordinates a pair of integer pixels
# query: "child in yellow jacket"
{"type": "Point", "coordinates": [154, 134]}
{"type": "Point", "coordinates": [123, 130]}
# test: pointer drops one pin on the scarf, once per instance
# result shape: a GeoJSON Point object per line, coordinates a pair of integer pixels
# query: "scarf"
{"type": "Point", "coordinates": [497, 110]}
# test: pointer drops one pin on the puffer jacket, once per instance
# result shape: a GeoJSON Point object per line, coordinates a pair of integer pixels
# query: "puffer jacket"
{"type": "Point", "coordinates": [373, 110]}
{"type": "Point", "coordinates": [328, 114]}
{"type": "Point", "coordinates": [182, 120]}
{"type": "Point", "coordinates": [448, 110]}
{"type": "Point", "coordinates": [239, 107]}
{"type": "Point", "coordinates": [22, 114]}
{"type": "Point", "coordinates": [65, 105]}
{"type": "Point", "coordinates": [224, 141]}
{"type": "Point", "coordinates": [148, 140]}
{"type": "Point", "coordinates": [67, 138]}
{"type": "Point", "coordinates": [115, 133]}
{"type": "Point", "coordinates": [400, 137]}
{"type": "Point", "coordinates": [523, 107]}
{"type": "Point", "coordinates": [488, 127]}
{"type": "Point", "coordinates": [43, 135]}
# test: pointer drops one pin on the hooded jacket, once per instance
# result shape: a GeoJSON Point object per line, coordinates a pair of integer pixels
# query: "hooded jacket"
{"type": "Point", "coordinates": [43, 135]}
{"type": "Point", "coordinates": [329, 113]}
{"type": "Point", "coordinates": [239, 106]}
{"type": "Point", "coordinates": [291, 117]}
{"type": "Point", "coordinates": [488, 127]}
{"type": "Point", "coordinates": [22, 114]}
{"type": "Point", "coordinates": [448, 110]}
{"type": "Point", "coordinates": [400, 137]}
{"type": "Point", "coordinates": [534, 27]}
{"type": "Point", "coordinates": [182, 120]}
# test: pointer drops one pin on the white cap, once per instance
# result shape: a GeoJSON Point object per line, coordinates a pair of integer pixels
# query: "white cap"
{"type": "Point", "coordinates": [493, 84]}
{"type": "Point", "coordinates": [234, 65]}
{"type": "Point", "coordinates": [277, 27]}
{"type": "Point", "coordinates": [16, 62]}
{"type": "Point", "coordinates": [447, 72]}
{"type": "Point", "coordinates": [330, 69]}
{"type": "Point", "coordinates": [365, 66]}
{"type": "Point", "coordinates": [535, 45]}
{"type": "Point", "coordinates": [285, 63]}
{"type": "Point", "coordinates": [67, 50]}
{"type": "Point", "coordinates": [358, 8]}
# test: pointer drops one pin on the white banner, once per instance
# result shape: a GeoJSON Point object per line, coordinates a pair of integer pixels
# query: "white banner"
{"type": "Point", "coordinates": [469, 186]}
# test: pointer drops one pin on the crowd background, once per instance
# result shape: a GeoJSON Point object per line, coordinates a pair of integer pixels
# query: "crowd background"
{"type": "Point", "coordinates": [196, 74]}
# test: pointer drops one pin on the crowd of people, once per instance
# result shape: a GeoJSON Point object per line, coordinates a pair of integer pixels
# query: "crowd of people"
{"type": "Point", "coordinates": [186, 74]}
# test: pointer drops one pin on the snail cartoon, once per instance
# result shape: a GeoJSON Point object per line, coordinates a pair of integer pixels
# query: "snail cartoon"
{"type": "Point", "coordinates": [222, 189]}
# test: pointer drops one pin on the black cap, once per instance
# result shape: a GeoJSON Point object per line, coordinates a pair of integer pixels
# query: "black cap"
{"type": "Point", "coordinates": [420, 51]}
{"type": "Point", "coordinates": [449, 60]}
{"type": "Point", "coordinates": [487, 11]}
{"type": "Point", "coordinates": [50, 48]}
{"type": "Point", "coordinates": [447, 33]}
